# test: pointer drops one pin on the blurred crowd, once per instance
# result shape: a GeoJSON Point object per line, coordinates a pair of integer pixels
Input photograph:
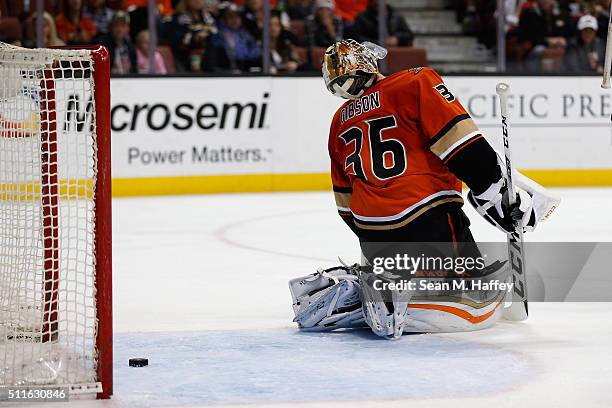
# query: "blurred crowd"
{"type": "Point", "coordinates": [557, 36]}
{"type": "Point", "coordinates": [227, 36]}
{"type": "Point", "coordinates": [204, 35]}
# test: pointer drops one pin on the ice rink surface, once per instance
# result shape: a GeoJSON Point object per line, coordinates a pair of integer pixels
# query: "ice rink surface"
{"type": "Point", "coordinates": [200, 289]}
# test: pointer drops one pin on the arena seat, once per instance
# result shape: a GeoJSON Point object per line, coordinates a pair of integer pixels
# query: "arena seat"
{"type": "Point", "coordinates": [17, 8]}
{"type": "Point", "coordinates": [302, 52]}
{"type": "Point", "coordinates": [299, 30]}
{"type": "Point", "coordinates": [166, 53]}
{"type": "Point", "coordinates": [400, 58]}
{"type": "Point", "coordinates": [11, 27]}
{"type": "Point", "coordinates": [4, 11]}
{"type": "Point", "coordinates": [114, 4]}
{"type": "Point", "coordinates": [552, 59]}
{"type": "Point", "coordinates": [316, 56]}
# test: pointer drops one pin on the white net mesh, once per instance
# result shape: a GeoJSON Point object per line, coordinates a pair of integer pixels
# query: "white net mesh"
{"type": "Point", "coordinates": [47, 177]}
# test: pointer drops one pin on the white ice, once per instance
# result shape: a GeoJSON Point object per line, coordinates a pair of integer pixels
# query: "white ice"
{"type": "Point", "coordinates": [200, 288]}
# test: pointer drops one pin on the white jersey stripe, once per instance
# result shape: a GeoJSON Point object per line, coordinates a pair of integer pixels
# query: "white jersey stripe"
{"type": "Point", "coordinates": [407, 210]}
{"type": "Point", "coordinates": [458, 143]}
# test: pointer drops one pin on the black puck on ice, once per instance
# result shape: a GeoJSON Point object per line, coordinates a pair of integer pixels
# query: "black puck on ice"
{"type": "Point", "coordinates": [139, 362]}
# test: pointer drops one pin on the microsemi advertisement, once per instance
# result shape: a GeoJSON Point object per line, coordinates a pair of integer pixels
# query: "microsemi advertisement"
{"type": "Point", "coordinates": [272, 131]}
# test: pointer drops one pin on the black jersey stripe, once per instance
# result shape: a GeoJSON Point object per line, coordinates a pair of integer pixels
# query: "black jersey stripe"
{"type": "Point", "coordinates": [446, 128]}
{"type": "Point", "coordinates": [465, 143]}
{"type": "Point", "coordinates": [342, 189]}
{"type": "Point", "coordinates": [412, 212]}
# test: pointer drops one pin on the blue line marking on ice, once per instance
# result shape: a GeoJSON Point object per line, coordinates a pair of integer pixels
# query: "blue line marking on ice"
{"type": "Point", "coordinates": [188, 368]}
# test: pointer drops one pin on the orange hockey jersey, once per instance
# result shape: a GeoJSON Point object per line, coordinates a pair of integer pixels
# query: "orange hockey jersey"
{"type": "Point", "coordinates": [388, 150]}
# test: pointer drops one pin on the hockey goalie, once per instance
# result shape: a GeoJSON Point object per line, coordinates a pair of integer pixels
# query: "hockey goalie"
{"type": "Point", "coordinates": [400, 148]}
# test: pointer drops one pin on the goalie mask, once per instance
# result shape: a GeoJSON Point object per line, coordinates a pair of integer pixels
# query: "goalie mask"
{"type": "Point", "coordinates": [349, 68]}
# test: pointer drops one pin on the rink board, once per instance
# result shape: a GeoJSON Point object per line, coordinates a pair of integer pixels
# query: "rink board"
{"type": "Point", "coordinates": [211, 135]}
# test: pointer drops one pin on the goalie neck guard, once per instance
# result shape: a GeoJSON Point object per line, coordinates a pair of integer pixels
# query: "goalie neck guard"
{"type": "Point", "coordinates": [349, 68]}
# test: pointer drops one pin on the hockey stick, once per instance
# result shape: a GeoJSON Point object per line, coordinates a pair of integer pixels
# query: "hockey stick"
{"type": "Point", "coordinates": [608, 60]}
{"type": "Point", "coordinates": [516, 254]}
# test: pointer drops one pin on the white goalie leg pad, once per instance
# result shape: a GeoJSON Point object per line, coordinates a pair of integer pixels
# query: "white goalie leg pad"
{"type": "Point", "coordinates": [449, 317]}
{"type": "Point", "coordinates": [327, 300]}
{"type": "Point", "coordinates": [466, 311]}
{"type": "Point", "coordinates": [414, 312]}
{"type": "Point", "coordinates": [386, 319]}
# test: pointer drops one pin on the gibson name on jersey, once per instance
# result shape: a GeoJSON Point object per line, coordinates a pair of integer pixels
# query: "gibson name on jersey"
{"type": "Point", "coordinates": [360, 105]}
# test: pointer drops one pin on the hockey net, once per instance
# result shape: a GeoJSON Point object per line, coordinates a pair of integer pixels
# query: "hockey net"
{"type": "Point", "coordinates": [55, 319]}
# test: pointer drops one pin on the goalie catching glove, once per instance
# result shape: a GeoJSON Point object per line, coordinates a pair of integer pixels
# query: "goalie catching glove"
{"type": "Point", "coordinates": [533, 205]}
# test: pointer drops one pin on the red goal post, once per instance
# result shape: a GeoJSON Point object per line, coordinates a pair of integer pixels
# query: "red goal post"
{"type": "Point", "coordinates": [55, 219]}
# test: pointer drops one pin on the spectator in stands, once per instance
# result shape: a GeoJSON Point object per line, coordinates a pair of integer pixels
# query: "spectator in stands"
{"type": "Point", "coordinates": [478, 17]}
{"type": "Point", "coordinates": [212, 7]}
{"type": "Point", "coordinates": [513, 11]}
{"type": "Point", "coordinates": [252, 18]}
{"type": "Point", "coordinates": [283, 56]}
{"type": "Point", "coordinates": [122, 52]}
{"type": "Point", "coordinates": [193, 24]}
{"type": "Point", "coordinates": [575, 9]}
{"type": "Point", "coordinates": [366, 26]}
{"type": "Point", "coordinates": [73, 26]}
{"type": "Point", "coordinates": [139, 16]}
{"type": "Point", "coordinates": [348, 10]}
{"type": "Point", "coordinates": [142, 55]}
{"type": "Point", "coordinates": [163, 6]}
{"type": "Point", "coordinates": [299, 9]}
{"type": "Point", "coordinates": [586, 53]}
{"type": "Point", "coordinates": [101, 15]}
{"type": "Point", "coordinates": [323, 27]}
{"type": "Point", "coordinates": [232, 49]}
{"type": "Point", "coordinates": [467, 16]}
{"type": "Point", "coordinates": [50, 37]}
{"type": "Point", "coordinates": [486, 22]}
{"type": "Point", "coordinates": [543, 26]}
{"type": "Point", "coordinates": [602, 12]}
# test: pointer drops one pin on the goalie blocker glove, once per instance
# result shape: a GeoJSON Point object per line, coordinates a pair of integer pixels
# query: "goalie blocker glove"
{"type": "Point", "coordinates": [493, 206]}
{"type": "Point", "coordinates": [481, 168]}
{"type": "Point", "coordinates": [533, 204]}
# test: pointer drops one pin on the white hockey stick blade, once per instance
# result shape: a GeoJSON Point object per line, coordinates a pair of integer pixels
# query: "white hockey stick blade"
{"type": "Point", "coordinates": [515, 313]}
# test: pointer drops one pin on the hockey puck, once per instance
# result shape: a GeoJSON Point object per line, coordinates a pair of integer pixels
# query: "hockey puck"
{"type": "Point", "coordinates": [139, 362]}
